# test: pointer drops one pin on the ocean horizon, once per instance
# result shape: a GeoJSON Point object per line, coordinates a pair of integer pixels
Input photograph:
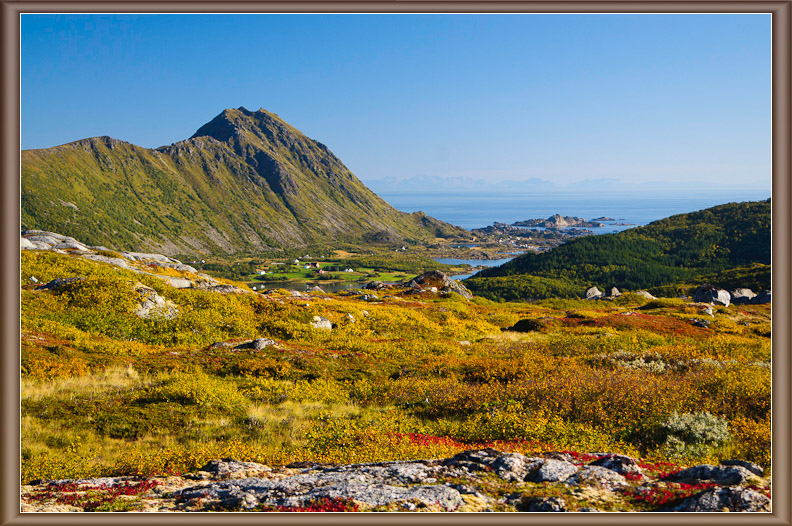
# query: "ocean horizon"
{"type": "Point", "coordinates": [477, 210]}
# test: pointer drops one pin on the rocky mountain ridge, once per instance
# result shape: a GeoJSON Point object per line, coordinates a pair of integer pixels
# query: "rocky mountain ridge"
{"type": "Point", "coordinates": [245, 181]}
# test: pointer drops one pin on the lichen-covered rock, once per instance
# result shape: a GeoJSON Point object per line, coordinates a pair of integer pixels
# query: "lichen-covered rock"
{"type": "Point", "coordinates": [724, 475]}
{"type": "Point", "coordinates": [257, 345]}
{"type": "Point", "coordinates": [551, 470]}
{"type": "Point", "coordinates": [301, 490]}
{"type": "Point", "coordinates": [541, 504]}
{"type": "Point", "coordinates": [228, 468]}
{"type": "Point", "coordinates": [593, 293]}
{"type": "Point", "coordinates": [151, 304]}
{"type": "Point", "coordinates": [646, 294]}
{"type": "Point", "coordinates": [58, 283]}
{"type": "Point", "coordinates": [118, 262]}
{"type": "Point", "coordinates": [761, 298]}
{"type": "Point", "coordinates": [597, 476]}
{"type": "Point", "coordinates": [322, 323]}
{"type": "Point", "coordinates": [621, 464]}
{"type": "Point", "coordinates": [724, 499]}
{"type": "Point", "coordinates": [756, 469]}
{"type": "Point", "coordinates": [463, 483]}
{"type": "Point", "coordinates": [514, 466]}
{"type": "Point", "coordinates": [742, 296]}
{"type": "Point", "coordinates": [440, 281]}
{"type": "Point", "coordinates": [712, 295]}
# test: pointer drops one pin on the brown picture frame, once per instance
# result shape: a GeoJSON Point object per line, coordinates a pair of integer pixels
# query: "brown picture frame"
{"type": "Point", "coordinates": [781, 12]}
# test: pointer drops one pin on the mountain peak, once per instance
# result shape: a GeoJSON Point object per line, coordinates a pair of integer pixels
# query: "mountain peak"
{"type": "Point", "coordinates": [246, 126]}
{"type": "Point", "coordinates": [245, 181]}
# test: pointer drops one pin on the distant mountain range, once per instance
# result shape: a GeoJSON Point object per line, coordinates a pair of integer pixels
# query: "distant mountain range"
{"type": "Point", "coordinates": [602, 186]}
{"type": "Point", "coordinates": [245, 181]}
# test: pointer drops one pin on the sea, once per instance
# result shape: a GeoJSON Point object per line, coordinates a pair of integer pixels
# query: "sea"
{"type": "Point", "coordinates": [478, 210]}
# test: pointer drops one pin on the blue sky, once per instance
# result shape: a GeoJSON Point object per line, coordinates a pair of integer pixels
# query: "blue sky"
{"type": "Point", "coordinates": [566, 98]}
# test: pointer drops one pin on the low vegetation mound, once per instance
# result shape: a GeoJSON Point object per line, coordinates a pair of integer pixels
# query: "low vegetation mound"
{"type": "Point", "coordinates": [726, 246]}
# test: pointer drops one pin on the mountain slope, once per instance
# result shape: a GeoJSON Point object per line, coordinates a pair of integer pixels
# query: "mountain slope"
{"type": "Point", "coordinates": [245, 181]}
{"type": "Point", "coordinates": [672, 250]}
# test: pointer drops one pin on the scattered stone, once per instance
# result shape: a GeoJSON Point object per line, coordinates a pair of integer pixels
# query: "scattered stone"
{"type": "Point", "coordinates": [329, 483]}
{"type": "Point", "coordinates": [26, 244]}
{"type": "Point", "coordinates": [742, 296]}
{"type": "Point", "coordinates": [368, 297]}
{"type": "Point", "coordinates": [711, 295]}
{"type": "Point", "coordinates": [376, 285]}
{"type": "Point", "coordinates": [704, 324]}
{"type": "Point", "coordinates": [599, 477]}
{"type": "Point", "coordinates": [761, 298]}
{"type": "Point", "coordinates": [257, 345]}
{"type": "Point", "coordinates": [152, 304]}
{"type": "Point", "coordinates": [315, 288]}
{"type": "Point", "coordinates": [228, 468]}
{"type": "Point", "coordinates": [552, 470]}
{"type": "Point", "coordinates": [219, 288]}
{"type": "Point", "coordinates": [413, 485]}
{"type": "Point", "coordinates": [58, 283]}
{"type": "Point", "coordinates": [514, 467]}
{"type": "Point", "coordinates": [70, 245]}
{"type": "Point", "coordinates": [724, 499]}
{"type": "Point", "coordinates": [756, 469]}
{"type": "Point", "coordinates": [613, 292]}
{"type": "Point", "coordinates": [621, 464]}
{"type": "Point", "coordinates": [593, 293]}
{"type": "Point", "coordinates": [348, 317]}
{"type": "Point", "coordinates": [439, 281]}
{"type": "Point", "coordinates": [320, 322]}
{"type": "Point", "coordinates": [178, 283]}
{"type": "Point", "coordinates": [723, 475]}
{"type": "Point", "coordinates": [541, 504]}
{"type": "Point", "coordinates": [645, 294]}
{"type": "Point", "coordinates": [118, 262]}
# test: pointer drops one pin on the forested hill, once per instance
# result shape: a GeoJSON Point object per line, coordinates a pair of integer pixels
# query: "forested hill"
{"type": "Point", "coordinates": [677, 249]}
{"type": "Point", "coordinates": [245, 181]}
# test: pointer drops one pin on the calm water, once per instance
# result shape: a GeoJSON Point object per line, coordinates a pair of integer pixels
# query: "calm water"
{"type": "Point", "coordinates": [479, 210]}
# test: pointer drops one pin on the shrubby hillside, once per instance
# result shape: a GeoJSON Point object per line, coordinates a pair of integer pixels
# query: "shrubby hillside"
{"type": "Point", "coordinates": [246, 181]}
{"type": "Point", "coordinates": [682, 249]}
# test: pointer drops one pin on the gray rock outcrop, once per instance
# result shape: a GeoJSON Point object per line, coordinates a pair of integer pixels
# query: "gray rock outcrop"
{"type": "Point", "coordinates": [462, 483]}
{"type": "Point", "coordinates": [322, 323]}
{"type": "Point", "coordinates": [711, 295]}
{"type": "Point", "coordinates": [724, 499]}
{"type": "Point", "coordinates": [645, 294]}
{"type": "Point", "coordinates": [703, 473]}
{"type": "Point", "coordinates": [258, 344]}
{"type": "Point", "coordinates": [742, 296]}
{"type": "Point", "coordinates": [761, 298]}
{"type": "Point", "coordinates": [151, 304]}
{"type": "Point", "coordinates": [593, 293]}
{"type": "Point", "coordinates": [440, 281]}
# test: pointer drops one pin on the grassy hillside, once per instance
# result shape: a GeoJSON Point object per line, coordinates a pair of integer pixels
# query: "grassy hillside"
{"type": "Point", "coordinates": [407, 376]}
{"type": "Point", "coordinates": [246, 181]}
{"type": "Point", "coordinates": [681, 249]}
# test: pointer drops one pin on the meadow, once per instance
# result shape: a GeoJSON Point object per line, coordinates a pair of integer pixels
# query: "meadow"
{"type": "Point", "coordinates": [399, 376]}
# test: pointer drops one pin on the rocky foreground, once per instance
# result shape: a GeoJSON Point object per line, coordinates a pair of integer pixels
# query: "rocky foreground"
{"type": "Point", "coordinates": [472, 481]}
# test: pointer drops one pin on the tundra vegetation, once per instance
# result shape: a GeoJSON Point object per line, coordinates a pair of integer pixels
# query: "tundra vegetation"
{"type": "Point", "coordinates": [399, 376]}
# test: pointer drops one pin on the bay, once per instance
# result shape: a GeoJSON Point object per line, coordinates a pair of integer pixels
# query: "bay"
{"type": "Point", "coordinates": [478, 210]}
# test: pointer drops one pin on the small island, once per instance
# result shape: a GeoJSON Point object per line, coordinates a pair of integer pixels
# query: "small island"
{"type": "Point", "coordinates": [558, 221]}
